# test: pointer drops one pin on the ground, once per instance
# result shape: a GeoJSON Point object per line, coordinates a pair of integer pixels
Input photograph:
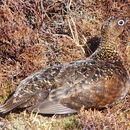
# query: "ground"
{"type": "Point", "coordinates": [36, 34]}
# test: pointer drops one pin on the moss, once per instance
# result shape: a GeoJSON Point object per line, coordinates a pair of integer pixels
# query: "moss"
{"type": "Point", "coordinates": [7, 89]}
{"type": "Point", "coordinates": [71, 123]}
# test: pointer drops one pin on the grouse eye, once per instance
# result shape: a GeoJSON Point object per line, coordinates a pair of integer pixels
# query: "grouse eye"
{"type": "Point", "coordinates": [121, 22]}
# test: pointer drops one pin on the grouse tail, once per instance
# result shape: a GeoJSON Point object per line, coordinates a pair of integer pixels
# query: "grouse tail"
{"type": "Point", "coordinates": [12, 103]}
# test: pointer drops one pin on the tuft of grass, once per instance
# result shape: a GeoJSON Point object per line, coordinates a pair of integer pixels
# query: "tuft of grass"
{"type": "Point", "coordinates": [34, 121]}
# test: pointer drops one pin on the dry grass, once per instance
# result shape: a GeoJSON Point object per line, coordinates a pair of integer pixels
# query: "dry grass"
{"type": "Point", "coordinates": [35, 34]}
{"type": "Point", "coordinates": [116, 118]}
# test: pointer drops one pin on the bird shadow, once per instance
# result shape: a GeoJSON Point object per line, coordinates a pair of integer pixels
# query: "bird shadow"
{"type": "Point", "coordinates": [91, 45]}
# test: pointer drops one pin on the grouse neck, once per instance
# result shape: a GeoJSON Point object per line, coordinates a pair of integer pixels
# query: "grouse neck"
{"type": "Point", "coordinates": [109, 43]}
{"type": "Point", "coordinates": [107, 51]}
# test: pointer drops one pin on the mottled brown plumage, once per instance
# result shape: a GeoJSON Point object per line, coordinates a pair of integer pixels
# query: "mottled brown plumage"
{"type": "Point", "coordinates": [96, 82]}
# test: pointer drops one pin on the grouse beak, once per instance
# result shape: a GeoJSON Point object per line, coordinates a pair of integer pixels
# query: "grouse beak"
{"type": "Point", "coordinates": [127, 21]}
